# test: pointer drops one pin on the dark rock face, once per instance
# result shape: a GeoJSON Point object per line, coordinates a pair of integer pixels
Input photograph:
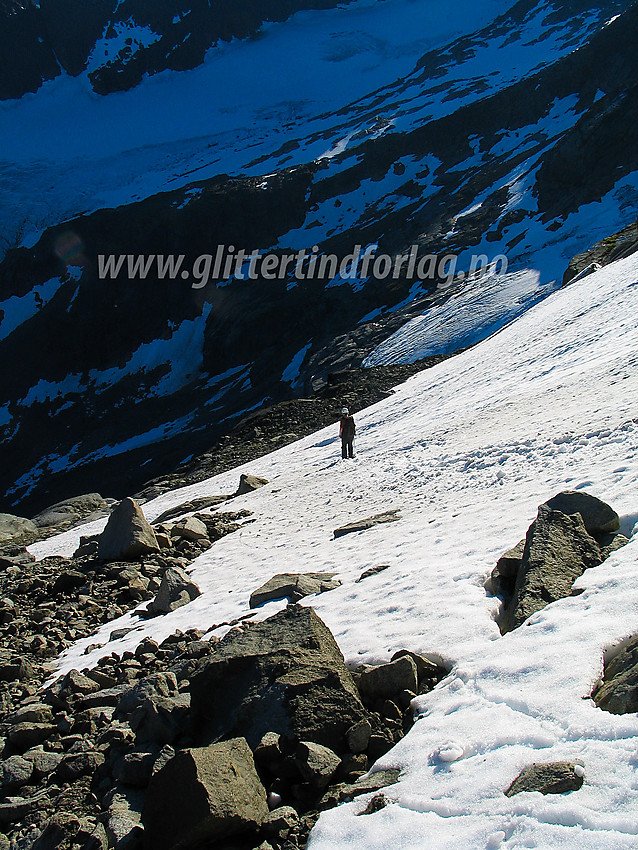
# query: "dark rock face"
{"type": "Point", "coordinates": [285, 675]}
{"type": "Point", "coordinates": [618, 693]}
{"type": "Point", "coordinates": [557, 777]}
{"type": "Point", "coordinates": [204, 795]}
{"type": "Point", "coordinates": [59, 35]}
{"type": "Point", "coordinates": [264, 321]}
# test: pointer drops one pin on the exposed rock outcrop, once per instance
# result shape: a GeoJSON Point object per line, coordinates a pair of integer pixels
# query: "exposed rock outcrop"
{"type": "Point", "coordinates": [572, 532]}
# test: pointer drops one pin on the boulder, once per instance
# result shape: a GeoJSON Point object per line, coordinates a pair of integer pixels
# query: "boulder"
{"type": "Point", "coordinates": [202, 796]}
{"type": "Point", "coordinates": [598, 517]}
{"type": "Point", "coordinates": [552, 778]}
{"type": "Point", "coordinates": [163, 684]}
{"type": "Point", "coordinates": [70, 511]}
{"type": "Point", "coordinates": [294, 586]}
{"type": "Point", "coordinates": [14, 772]}
{"type": "Point", "coordinates": [17, 530]}
{"type": "Point", "coordinates": [23, 736]}
{"type": "Point", "coordinates": [127, 534]}
{"type": "Point", "coordinates": [372, 571]}
{"type": "Point", "coordinates": [176, 589]}
{"type": "Point", "coordinates": [368, 522]}
{"type": "Point", "coordinates": [618, 693]}
{"type": "Point", "coordinates": [249, 483]}
{"type": "Point", "coordinates": [358, 736]}
{"type": "Point", "coordinates": [190, 528]}
{"type": "Point", "coordinates": [388, 680]}
{"type": "Point", "coordinates": [317, 764]}
{"type": "Point", "coordinates": [124, 823]}
{"type": "Point", "coordinates": [558, 549]}
{"type": "Point", "coordinates": [284, 675]}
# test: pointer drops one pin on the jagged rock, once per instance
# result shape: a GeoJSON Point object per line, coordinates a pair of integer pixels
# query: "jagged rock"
{"type": "Point", "coordinates": [598, 517]}
{"type": "Point", "coordinates": [34, 712]}
{"type": "Point", "coordinates": [27, 735]}
{"type": "Point", "coordinates": [368, 522]}
{"type": "Point", "coordinates": [16, 808]}
{"type": "Point", "coordinates": [88, 549]}
{"type": "Point", "coordinates": [66, 830]}
{"type": "Point", "coordinates": [317, 764]}
{"type": "Point", "coordinates": [552, 778]}
{"type": "Point", "coordinates": [124, 822]}
{"type": "Point", "coordinates": [190, 507]}
{"type": "Point", "coordinates": [162, 684]}
{"type": "Point", "coordinates": [135, 768]}
{"type": "Point", "coordinates": [372, 571]}
{"type": "Point", "coordinates": [503, 578]}
{"type": "Point", "coordinates": [14, 772]}
{"type": "Point", "coordinates": [345, 792]}
{"type": "Point", "coordinates": [280, 822]}
{"type": "Point", "coordinates": [610, 543]}
{"type": "Point", "coordinates": [558, 549]}
{"type": "Point", "coordinates": [75, 765]}
{"type": "Point", "coordinates": [160, 719]}
{"type": "Point", "coordinates": [127, 534]}
{"type": "Point", "coordinates": [618, 693]}
{"type": "Point", "coordinates": [387, 680]}
{"type": "Point", "coordinates": [428, 673]}
{"type": "Point", "coordinates": [294, 586]}
{"type": "Point", "coordinates": [17, 530]}
{"type": "Point", "coordinates": [284, 675]}
{"type": "Point", "coordinates": [204, 795]}
{"type": "Point", "coordinates": [190, 528]}
{"type": "Point", "coordinates": [21, 559]}
{"type": "Point", "coordinates": [358, 736]}
{"type": "Point", "coordinates": [17, 668]}
{"type": "Point", "coordinates": [71, 511]}
{"type": "Point", "coordinates": [44, 763]}
{"type": "Point", "coordinates": [249, 483]}
{"type": "Point", "coordinates": [68, 580]}
{"type": "Point", "coordinates": [176, 589]}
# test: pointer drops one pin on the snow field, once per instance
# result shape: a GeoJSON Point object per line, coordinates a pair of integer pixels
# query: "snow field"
{"type": "Point", "coordinates": [467, 451]}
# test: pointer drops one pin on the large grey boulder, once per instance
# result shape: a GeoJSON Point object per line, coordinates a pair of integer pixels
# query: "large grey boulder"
{"type": "Point", "coordinates": [598, 517]}
{"type": "Point", "coordinates": [71, 511]}
{"type": "Point", "coordinates": [556, 777]}
{"type": "Point", "coordinates": [202, 796]}
{"type": "Point", "coordinates": [127, 534]}
{"type": "Point", "coordinates": [317, 764]}
{"type": "Point", "coordinates": [618, 693]}
{"type": "Point", "coordinates": [190, 528]}
{"type": "Point", "coordinates": [284, 675]}
{"type": "Point", "coordinates": [293, 586]}
{"type": "Point", "coordinates": [17, 530]}
{"type": "Point", "coordinates": [558, 549]}
{"type": "Point", "coordinates": [176, 589]}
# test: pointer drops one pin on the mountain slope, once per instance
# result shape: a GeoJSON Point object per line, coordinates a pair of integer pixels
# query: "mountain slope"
{"type": "Point", "coordinates": [466, 451]}
{"type": "Point", "coordinates": [503, 131]}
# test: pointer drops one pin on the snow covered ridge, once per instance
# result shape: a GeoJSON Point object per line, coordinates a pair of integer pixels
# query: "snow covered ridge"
{"type": "Point", "coordinates": [466, 451]}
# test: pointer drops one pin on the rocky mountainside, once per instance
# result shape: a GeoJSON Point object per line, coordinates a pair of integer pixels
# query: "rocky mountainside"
{"type": "Point", "coordinates": [505, 133]}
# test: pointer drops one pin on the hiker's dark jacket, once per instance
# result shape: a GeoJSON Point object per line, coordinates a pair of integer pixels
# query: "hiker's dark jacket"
{"type": "Point", "coordinates": [347, 428]}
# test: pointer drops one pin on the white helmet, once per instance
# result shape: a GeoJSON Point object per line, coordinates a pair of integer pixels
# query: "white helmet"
{"type": "Point", "coordinates": [344, 410]}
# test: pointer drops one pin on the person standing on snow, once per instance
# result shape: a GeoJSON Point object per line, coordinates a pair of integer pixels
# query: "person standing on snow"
{"type": "Point", "coordinates": [347, 430]}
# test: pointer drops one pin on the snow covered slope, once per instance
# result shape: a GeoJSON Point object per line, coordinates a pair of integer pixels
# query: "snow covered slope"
{"type": "Point", "coordinates": [466, 451]}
